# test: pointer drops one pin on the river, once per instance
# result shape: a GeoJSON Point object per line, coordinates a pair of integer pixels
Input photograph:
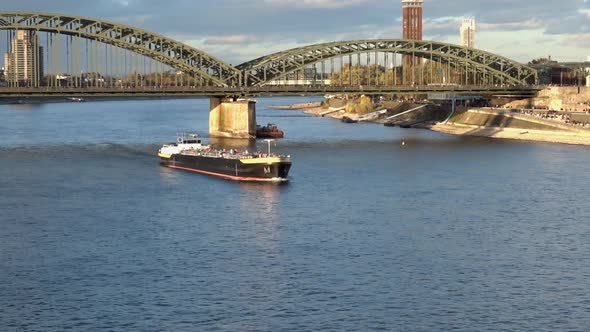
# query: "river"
{"type": "Point", "coordinates": [379, 229]}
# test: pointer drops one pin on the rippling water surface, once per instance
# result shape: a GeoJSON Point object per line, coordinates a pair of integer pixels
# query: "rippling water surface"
{"type": "Point", "coordinates": [442, 233]}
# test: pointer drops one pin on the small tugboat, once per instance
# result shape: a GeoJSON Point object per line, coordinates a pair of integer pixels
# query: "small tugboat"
{"type": "Point", "coordinates": [269, 131]}
{"type": "Point", "coordinates": [190, 154]}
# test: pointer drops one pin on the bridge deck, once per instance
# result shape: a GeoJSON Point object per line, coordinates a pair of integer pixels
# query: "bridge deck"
{"type": "Point", "coordinates": [281, 90]}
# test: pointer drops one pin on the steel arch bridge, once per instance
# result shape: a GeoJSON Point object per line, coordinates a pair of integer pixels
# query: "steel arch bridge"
{"type": "Point", "coordinates": [492, 67]}
{"type": "Point", "coordinates": [488, 67]}
{"type": "Point", "coordinates": [160, 48]}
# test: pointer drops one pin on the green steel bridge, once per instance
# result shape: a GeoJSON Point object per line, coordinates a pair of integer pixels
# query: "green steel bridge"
{"type": "Point", "coordinates": [81, 56]}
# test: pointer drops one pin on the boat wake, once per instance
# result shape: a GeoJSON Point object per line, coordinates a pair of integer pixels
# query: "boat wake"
{"type": "Point", "coordinates": [99, 149]}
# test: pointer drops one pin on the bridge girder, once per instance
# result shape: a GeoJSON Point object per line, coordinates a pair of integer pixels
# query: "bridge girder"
{"type": "Point", "coordinates": [165, 50]}
{"type": "Point", "coordinates": [265, 69]}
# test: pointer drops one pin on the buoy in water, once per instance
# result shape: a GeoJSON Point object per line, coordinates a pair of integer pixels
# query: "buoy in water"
{"type": "Point", "coordinates": [403, 143]}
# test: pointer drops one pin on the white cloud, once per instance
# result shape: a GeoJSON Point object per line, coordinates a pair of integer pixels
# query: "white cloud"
{"type": "Point", "coordinates": [123, 3]}
{"type": "Point", "coordinates": [133, 20]}
{"type": "Point", "coordinates": [231, 39]}
{"type": "Point", "coordinates": [578, 41]}
{"type": "Point", "coordinates": [316, 3]}
{"type": "Point", "coordinates": [521, 25]}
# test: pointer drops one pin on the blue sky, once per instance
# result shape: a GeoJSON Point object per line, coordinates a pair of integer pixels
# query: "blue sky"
{"type": "Point", "coordinates": [240, 30]}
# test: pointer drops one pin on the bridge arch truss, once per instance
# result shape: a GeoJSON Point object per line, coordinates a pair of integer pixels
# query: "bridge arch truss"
{"type": "Point", "coordinates": [489, 68]}
{"type": "Point", "coordinates": [176, 55]}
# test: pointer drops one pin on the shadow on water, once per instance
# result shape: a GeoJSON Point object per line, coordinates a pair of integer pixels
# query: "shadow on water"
{"type": "Point", "coordinates": [446, 141]}
{"type": "Point", "coordinates": [97, 150]}
{"type": "Point", "coordinates": [260, 200]}
{"type": "Point", "coordinates": [23, 107]}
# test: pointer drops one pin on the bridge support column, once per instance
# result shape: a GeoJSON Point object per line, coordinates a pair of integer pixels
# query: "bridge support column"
{"type": "Point", "coordinates": [230, 118]}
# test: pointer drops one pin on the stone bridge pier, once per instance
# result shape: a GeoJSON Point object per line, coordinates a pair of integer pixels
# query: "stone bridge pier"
{"type": "Point", "coordinates": [232, 118]}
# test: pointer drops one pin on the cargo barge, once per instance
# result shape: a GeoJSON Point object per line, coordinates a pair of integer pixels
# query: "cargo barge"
{"type": "Point", "coordinates": [190, 154]}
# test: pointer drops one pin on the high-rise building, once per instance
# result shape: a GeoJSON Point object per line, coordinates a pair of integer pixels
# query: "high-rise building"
{"type": "Point", "coordinates": [412, 11]}
{"type": "Point", "coordinates": [468, 33]}
{"type": "Point", "coordinates": [412, 29]}
{"type": "Point", "coordinates": [24, 61]}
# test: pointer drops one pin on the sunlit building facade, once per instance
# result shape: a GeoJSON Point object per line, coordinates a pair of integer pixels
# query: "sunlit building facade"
{"type": "Point", "coordinates": [23, 64]}
{"type": "Point", "coordinates": [412, 19]}
{"type": "Point", "coordinates": [468, 33]}
{"type": "Point", "coordinates": [412, 29]}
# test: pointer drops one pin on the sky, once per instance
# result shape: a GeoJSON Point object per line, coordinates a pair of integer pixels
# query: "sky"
{"type": "Point", "coordinates": [240, 30]}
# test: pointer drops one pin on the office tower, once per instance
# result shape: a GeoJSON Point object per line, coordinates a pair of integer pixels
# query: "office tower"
{"type": "Point", "coordinates": [412, 10]}
{"type": "Point", "coordinates": [412, 29]}
{"type": "Point", "coordinates": [468, 33]}
{"type": "Point", "coordinates": [24, 61]}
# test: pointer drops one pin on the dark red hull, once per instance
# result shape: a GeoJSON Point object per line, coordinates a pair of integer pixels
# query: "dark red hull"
{"type": "Point", "coordinates": [269, 134]}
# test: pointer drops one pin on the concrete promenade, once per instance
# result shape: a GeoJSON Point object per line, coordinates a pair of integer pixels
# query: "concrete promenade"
{"type": "Point", "coordinates": [512, 125]}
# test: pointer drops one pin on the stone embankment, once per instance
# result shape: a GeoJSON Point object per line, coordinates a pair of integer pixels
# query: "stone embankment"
{"type": "Point", "coordinates": [419, 113]}
{"type": "Point", "coordinates": [509, 124]}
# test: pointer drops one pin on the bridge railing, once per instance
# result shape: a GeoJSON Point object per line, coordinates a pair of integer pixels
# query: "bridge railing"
{"type": "Point", "coordinates": [270, 90]}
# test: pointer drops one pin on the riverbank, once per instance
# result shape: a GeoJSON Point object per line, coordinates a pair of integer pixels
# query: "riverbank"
{"type": "Point", "coordinates": [326, 112]}
{"type": "Point", "coordinates": [392, 113]}
{"type": "Point", "coordinates": [487, 123]}
{"type": "Point", "coordinates": [551, 136]}
{"type": "Point", "coordinates": [512, 124]}
{"type": "Point", "coordinates": [300, 106]}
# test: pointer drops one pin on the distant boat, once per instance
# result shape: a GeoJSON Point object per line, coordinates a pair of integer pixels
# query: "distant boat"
{"type": "Point", "coordinates": [76, 99]}
{"type": "Point", "coordinates": [269, 131]}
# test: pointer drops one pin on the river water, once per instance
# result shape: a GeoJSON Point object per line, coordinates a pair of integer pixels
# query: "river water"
{"type": "Point", "coordinates": [439, 233]}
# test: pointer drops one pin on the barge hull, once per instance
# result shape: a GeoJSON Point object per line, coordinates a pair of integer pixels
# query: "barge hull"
{"type": "Point", "coordinates": [232, 169]}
